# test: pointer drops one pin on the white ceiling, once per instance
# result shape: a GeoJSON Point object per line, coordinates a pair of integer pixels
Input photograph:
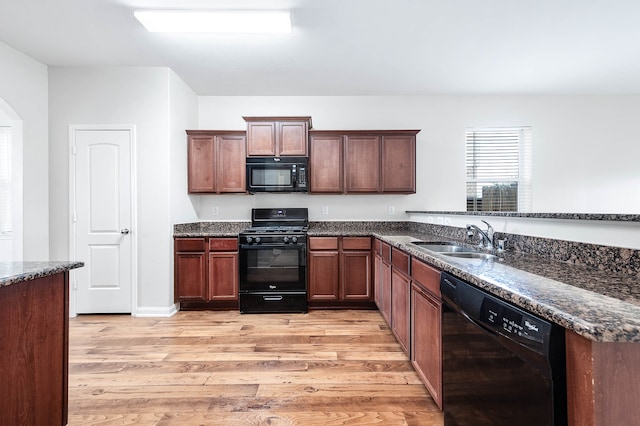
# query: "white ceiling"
{"type": "Point", "coordinates": [355, 47]}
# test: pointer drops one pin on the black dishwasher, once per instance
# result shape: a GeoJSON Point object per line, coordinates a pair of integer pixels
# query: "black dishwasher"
{"type": "Point", "coordinates": [501, 365]}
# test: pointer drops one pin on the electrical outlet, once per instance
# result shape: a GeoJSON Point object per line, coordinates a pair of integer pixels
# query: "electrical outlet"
{"type": "Point", "coordinates": [215, 210]}
{"type": "Point", "coordinates": [392, 209]}
{"type": "Point", "coordinates": [325, 209]}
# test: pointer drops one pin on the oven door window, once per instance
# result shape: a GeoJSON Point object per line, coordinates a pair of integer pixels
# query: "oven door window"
{"type": "Point", "coordinates": [272, 268]}
{"type": "Point", "coordinates": [271, 177]}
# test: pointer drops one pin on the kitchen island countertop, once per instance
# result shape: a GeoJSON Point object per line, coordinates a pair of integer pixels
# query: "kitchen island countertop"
{"type": "Point", "coordinates": [600, 306]}
{"type": "Point", "coordinates": [17, 272]}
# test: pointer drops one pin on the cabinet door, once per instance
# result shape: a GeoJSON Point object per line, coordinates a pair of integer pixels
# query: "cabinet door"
{"type": "Point", "coordinates": [356, 275]}
{"type": "Point", "coordinates": [399, 164]}
{"type": "Point", "coordinates": [385, 291]}
{"type": "Point", "coordinates": [201, 164]}
{"type": "Point", "coordinates": [400, 308]}
{"type": "Point", "coordinates": [230, 167]}
{"type": "Point", "coordinates": [261, 138]}
{"type": "Point", "coordinates": [223, 276]}
{"type": "Point", "coordinates": [362, 164]}
{"type": "Point", "coordinates": [377, 287]}
{"type": "Point", "coordinates": [426, 343]}
{"type": "Point", "coordinates": [325, 164]}
{"type": "Point", "coordinates": [190, 276]}
{"type": "Point", "coordinates": [324, 275]}
{"type": "Point", "coordinates": [292, 138]}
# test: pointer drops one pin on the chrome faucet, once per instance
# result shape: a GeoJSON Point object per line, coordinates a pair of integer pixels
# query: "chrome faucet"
{"type": "Point", "coordinates": [487, 236]}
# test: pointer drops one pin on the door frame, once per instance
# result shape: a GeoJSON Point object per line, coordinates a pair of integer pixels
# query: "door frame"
{"type": "Point", "coordinates": [73, 284]}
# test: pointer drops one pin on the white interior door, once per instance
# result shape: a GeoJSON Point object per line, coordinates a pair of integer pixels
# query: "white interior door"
{"type": "Point", "coordinates": [103, 219]}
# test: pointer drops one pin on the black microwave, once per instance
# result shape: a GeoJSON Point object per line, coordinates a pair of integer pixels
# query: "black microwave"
{"type": "Point", "coordinates": [277, 174]}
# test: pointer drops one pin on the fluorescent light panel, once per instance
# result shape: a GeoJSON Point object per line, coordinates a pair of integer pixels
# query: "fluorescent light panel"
{"type": "Point", "coordinates": [228, 22]}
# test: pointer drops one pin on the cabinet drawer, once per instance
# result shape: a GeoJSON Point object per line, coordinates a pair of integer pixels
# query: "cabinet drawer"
{"type": "Point", "coordinates": [189, 244]}
{"type": "Point", "coordinates": [223, 244]}
{"type": "Point", "coordinates": [426, 276]}
{"type": "Point", "coordinates": [356, 243]}
{"type": "Point", "coordinates": [400, 260]}
{"type": "Point", "coordinates": [323, 243]}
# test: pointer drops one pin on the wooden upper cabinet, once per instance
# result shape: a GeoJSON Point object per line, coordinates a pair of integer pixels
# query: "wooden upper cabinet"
{"type": "Point", "coordinates": [230, 166]}
{"type": "Point", "coordinates": [362, 164]}
{"type": "Point", "coordinates": [362, 161]}
{"type": "Point", "coordinates": [399, 164]}
{"type": "Point", "coordinates": [325, 163]}
{"type": "Point", "coordinates": [201, 159]}
{"type": "Point", "coordinates": [277, 136]}
{"type": "Point", "coordinates": [216, 161]}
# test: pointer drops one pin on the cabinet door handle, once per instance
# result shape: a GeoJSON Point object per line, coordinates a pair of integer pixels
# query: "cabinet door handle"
{"type": "Point", "coordinates": [124, 231]}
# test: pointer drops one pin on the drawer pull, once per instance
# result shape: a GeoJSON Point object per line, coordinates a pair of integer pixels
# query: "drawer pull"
{"type": "Point", "coordinates": [272, 298]}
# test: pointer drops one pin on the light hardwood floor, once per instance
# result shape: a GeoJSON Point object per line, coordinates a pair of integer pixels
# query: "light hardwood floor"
{"type": "Point", "coordinates": [224, 368]}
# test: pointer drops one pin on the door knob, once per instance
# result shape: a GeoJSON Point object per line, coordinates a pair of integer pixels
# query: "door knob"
{"type": "Point", "coordinates": [124, 231]}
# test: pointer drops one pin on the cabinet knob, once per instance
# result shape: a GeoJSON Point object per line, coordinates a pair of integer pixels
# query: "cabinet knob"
{"type": "Point", "coordinates": [124, 231]}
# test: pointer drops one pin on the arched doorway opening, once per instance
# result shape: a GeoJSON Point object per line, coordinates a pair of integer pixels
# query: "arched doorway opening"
{"type": "Point", "coordinates": [11, 184]}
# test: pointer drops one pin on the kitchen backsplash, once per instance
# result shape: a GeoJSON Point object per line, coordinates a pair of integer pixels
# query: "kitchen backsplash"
{"type": "Point", "coordinates": [604, 258]}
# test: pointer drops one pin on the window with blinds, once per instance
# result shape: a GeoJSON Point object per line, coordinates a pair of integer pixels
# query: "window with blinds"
{"type": "Point", "coordinates": [5, 181]}
{"type": "Point", "coordinates": [499, 169]}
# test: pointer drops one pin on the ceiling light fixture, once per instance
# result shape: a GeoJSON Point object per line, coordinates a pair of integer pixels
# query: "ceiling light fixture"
{"type": "Point", "coordinates": [206, 21]}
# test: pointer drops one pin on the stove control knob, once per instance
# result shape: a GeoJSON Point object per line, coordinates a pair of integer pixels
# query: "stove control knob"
{"type": "Point", "coordinates": [249, 240]}
{"type": "Point", "coordinates": [294, 239]}
{"type": "Point", "coordinates": [257, 240]}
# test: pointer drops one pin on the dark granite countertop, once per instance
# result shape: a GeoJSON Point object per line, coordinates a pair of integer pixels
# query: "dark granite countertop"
{"type": "Point", "coordinates": [17, 272]}
{"type": "Point", "coordinates": [601, 306]}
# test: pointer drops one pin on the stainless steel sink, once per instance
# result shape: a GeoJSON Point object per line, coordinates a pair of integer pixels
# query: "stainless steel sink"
{"type": "Point", "coordinates": [472, 255]}
{"type": "Point", "coordinates": [443, 247]}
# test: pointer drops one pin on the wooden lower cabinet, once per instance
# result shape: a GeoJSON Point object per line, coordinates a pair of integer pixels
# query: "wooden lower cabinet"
{"type": "Point", "coordinates": [400, 297]}
{"type": "Point", "coordinates": [383, 279]}
{"type": "Point", "coordinates": [34, 351]}
{"type": "Point", "coordinates": [603, 381]}
{"type": "Point", "coordinates": [190, 269]}
{"type": "Point", "coordinates": [223, 269]}
{"type": "Point", "coordinates": [340, 272]}
{"type": "Point", "coordinates": [206, 272]}
{"type": "Point", "coordinates": [426, 327]}
{"type": "Point", "coordinates": [324, 269]}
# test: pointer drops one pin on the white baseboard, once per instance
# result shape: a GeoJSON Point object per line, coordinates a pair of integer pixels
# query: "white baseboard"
{"type": "Point", "coordinates": [157, 312]}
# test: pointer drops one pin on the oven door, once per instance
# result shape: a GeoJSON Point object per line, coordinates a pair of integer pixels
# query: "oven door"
{"type": "Point", "coordinates": [273, 268]}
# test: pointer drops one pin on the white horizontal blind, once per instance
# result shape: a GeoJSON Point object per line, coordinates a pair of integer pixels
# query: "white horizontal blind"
{"type": "Point", "coordinates": [5, 181]}
{"type": "Point", "coordinates": [498, 163]}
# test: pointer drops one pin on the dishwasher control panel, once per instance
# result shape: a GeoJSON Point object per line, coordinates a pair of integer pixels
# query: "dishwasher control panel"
{"type": "Point", "coordinates": [497, 315]}
{"type": "Point", "coordinates": [511, 321]}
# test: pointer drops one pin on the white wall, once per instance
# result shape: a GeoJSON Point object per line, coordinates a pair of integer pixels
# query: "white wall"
{"type": "Point", "coordinates": [585, 147]}
{"type": "Point", "coordinates": [124, 96]}
{"type": "Point", "coordinates": [183, 114]}
{"type": "Point", "coordinates": [23, 86]}
{"type": "Point", "coordinates": [585, 152]}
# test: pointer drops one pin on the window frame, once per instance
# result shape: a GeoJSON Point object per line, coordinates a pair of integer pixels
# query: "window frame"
{"type": "Point", "coordinates": [482, 166]}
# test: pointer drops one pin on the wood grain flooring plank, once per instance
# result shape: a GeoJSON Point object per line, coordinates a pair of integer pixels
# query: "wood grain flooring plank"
{"type": "Point", "coordinates": [225, 368]}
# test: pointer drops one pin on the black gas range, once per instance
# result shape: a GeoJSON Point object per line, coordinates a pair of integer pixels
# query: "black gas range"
{"type": "Point", "coordinates": [273, 261]}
